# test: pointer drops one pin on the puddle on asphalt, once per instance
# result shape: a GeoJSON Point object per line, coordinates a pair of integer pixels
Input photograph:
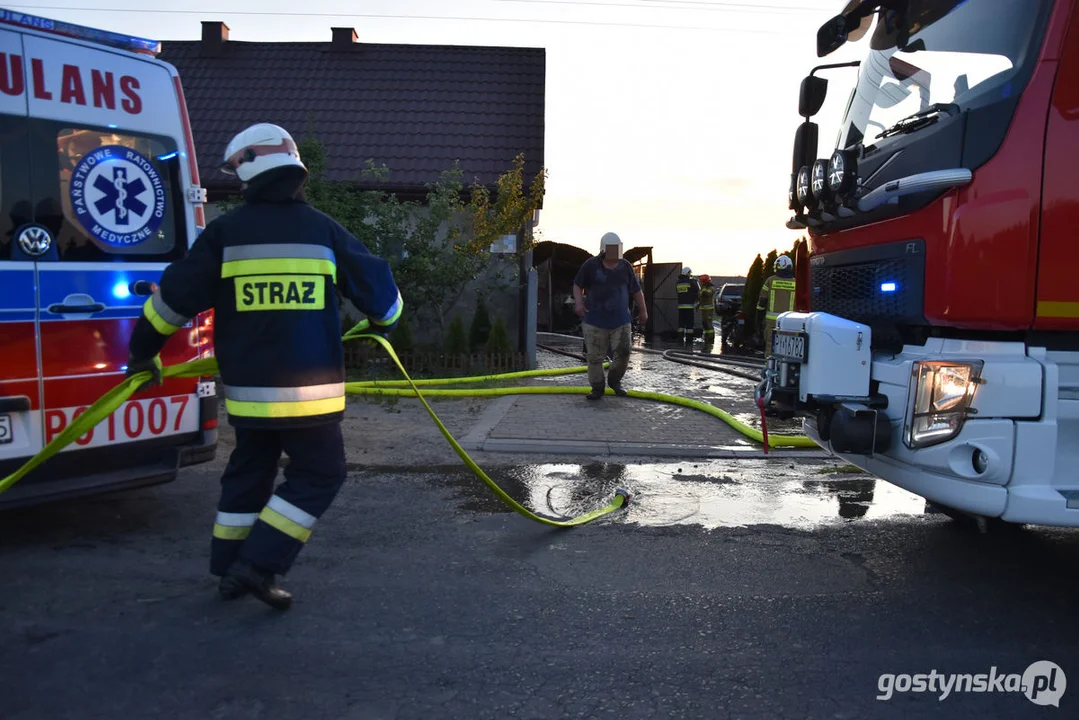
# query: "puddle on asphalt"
{"type": "Point", "coordinates": [706, 493]}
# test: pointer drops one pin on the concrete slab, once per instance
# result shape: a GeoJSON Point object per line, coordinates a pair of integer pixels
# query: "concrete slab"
{"type": "Point", "coordinates": [486, 423]}
{"type": "Point", "coordinates": [592, 448]}
{"type": "Point", "coordinates": [583, 447]}
{"type": "Point", "coordinates": [571, 424]}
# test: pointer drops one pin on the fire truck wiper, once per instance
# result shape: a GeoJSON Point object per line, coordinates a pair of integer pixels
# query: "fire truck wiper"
{"type": "Point", "coordinates": [919, 120]}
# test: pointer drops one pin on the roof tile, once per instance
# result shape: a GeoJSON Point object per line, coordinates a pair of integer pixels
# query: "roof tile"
{"type": "Point", "coordinates": [416, 108]}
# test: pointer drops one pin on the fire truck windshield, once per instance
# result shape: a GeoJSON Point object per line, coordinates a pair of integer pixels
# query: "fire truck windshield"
{"type": "Point", "coordinates": [951, 53]}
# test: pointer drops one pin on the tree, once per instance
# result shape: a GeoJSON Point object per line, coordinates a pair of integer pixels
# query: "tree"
{"type": "Point", "coordinates": [754, 280]}
{"type": "Point", "coordinates": [435, 249]}
{"type": "Point", "coordinates": [770, 265]}
{"type": "Point", "coordinates": [499, 341]}
{"type": "Point", "coordinates": [456, 340]}
{"type": "Point", "coordinates": [480, 328]}
{"type": "Point", "coordinates": [401, 338]}
{"type": "Point", "coordinates": [512, 208]}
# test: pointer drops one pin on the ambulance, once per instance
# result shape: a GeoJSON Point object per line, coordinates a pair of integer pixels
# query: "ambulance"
{"type": "Point", "coordinates": [99, 192]}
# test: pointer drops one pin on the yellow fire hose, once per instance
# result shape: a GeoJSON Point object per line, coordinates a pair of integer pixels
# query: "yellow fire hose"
{"type": "Point", "coordinates": [113, 399]}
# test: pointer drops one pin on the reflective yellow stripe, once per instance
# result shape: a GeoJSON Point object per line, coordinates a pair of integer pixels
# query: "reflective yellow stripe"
{"type": "Point", "coordinates": [271, 266]}
{"type": "Point", "coordinates": [1058, 309]}
{"type": "Point", "coordinates": [284, 409]}
{"type": "Point", "coordinates": [290, 527]}
{"type": "Point", "coordinates": [160, 324]}
{"type": "Point", "coordinates": [231, 532]}
{"type": "Point", "coordinates": [783, 284]}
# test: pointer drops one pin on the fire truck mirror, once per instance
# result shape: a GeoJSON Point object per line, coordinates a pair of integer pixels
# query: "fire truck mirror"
{"type": "Point", "coordinates": [832, 35]}
{"type": "Point", "coordinates": [811, 96]}
{"type": "Point", "coordinates": [805, 146]}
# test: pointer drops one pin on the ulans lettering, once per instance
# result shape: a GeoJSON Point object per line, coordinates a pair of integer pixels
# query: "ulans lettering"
{"type": "Point", "coordinates": [76, 85]}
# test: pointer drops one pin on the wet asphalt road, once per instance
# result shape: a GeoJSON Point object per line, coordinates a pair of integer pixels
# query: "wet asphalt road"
{"type": "Point", "coordinates": [418, 597]}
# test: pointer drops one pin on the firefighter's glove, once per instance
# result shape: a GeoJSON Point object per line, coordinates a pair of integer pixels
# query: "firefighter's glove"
{"type": "Point", "coordinates": [134, 367]}
{"type": "Point", "coordinates": [382, 331]}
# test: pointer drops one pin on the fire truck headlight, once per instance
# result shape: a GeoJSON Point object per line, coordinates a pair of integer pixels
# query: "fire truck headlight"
{"type": "Point", "coordinates": [842, 172]}
{"type": "Point", "coordinates": [820, 179]}
{"type": "Point", "coordinates": [940, 397]}
{"type": "Point", "coordinates": [803, 186]}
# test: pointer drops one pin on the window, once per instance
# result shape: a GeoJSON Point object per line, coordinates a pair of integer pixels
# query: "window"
{"type": "Point", "coordinates": [16, 209]}
{"type": "Point", "coordinates": [107, 195]}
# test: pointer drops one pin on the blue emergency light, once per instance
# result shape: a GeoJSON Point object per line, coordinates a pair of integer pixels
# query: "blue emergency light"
{"type": "Point", "coordinates": [121, 290]}
{"type": "Point", "coordinates": [81, 32]}
{"type": "Point", "coordinates": [888, 287]}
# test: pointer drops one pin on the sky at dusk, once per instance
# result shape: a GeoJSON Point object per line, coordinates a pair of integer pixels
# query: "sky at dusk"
{"type": "Point", "coordinates": [670, 122]}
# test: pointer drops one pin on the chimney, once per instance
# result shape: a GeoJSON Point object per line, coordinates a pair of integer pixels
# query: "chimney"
{"type": "Point", "coordinates": [214, 36]}
{"type": "Point", "coordinates": [343, 37]}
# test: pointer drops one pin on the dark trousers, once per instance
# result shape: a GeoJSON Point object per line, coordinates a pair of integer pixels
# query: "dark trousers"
{"type": "Point", "coordinates": [268, 528]}
{"type": "Point", "coordinates": [685, 322]}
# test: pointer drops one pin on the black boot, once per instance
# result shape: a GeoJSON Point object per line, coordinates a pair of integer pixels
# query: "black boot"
{"type": "Point", "coordinates": [243, 577]}
{"type": "Point", "coordinates": [597, 392]}
{"type": "Point", "coordinates": [615, 383]}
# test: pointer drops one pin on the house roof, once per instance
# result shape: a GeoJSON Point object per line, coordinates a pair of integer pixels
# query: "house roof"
{"type": "Point", "coordinates": [414, 108]}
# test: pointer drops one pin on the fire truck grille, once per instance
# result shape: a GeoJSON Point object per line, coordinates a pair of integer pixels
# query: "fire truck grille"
{"type": "Point", "coordinates": [887, 289]}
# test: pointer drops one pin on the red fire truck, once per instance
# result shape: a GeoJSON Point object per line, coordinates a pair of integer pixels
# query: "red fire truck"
{"type": "Point", "coordinates": [936, 338]}
{"type": "Point", "coordinates": [99, 191]}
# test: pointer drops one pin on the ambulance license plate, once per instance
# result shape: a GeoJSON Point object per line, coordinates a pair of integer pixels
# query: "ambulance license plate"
{"type": "Point", "coordinates": [6, 435]}
{"type": "Point", "coordinates": [789, 345]}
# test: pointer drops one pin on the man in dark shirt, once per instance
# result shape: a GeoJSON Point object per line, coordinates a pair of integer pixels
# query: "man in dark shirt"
{"type": "Point", "coordinates": [602, 290]}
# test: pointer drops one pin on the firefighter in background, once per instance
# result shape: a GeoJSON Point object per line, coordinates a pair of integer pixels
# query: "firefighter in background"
{"type": "Point", "coordinates": [270, 269]}
{"type": "Point", "coordinates": [777, 296]}
{"type": "Point", "coordinates": [688, 289]}
{"type": "Point", "coordinates": [706, 302]}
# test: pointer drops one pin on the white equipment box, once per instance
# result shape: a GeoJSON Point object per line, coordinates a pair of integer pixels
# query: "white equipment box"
{"type": "Point", "coordinates": [832, 354]}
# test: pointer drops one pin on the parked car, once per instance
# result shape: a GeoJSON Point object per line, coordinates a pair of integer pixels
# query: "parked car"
{"type": "Point", "coordinates": [729, 298]}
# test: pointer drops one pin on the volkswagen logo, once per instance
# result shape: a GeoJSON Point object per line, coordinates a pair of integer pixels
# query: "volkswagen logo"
{"type": "Point", "coordinates": [35, 241]}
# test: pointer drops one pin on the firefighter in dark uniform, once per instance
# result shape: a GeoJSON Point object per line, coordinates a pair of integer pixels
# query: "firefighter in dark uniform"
{"type": "Point", "coordinates": [706, 302]}
{"type": "Point", "coordinates": [776, 298]}
{"type": "Point", "coordinates": [688, 289]}
{"type": "Point", "coordinates": [270, 270]}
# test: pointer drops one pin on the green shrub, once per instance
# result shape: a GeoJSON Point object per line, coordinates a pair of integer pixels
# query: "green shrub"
{"type": "Point", "coordinates": [401, 337]}
{"type": "Point", "coordinates": [498, 342]}
{"type": "Point", "coordinates": [456, 339]}
{"type": "Point", "coordinates": [480, 329]}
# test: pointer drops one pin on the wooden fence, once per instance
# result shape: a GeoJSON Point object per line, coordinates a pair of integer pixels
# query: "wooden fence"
{"type": "Point", "coordinates": [368, 359]}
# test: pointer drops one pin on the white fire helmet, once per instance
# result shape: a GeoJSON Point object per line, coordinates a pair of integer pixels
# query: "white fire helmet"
{"type": "Point", "coordinates": [783, 263]}
{"type": "Point", "coordinates": [610, 239]}
{"type": "Point", "coordinates": [260, 148]}
{"type": "Point", "coordinates": [687, 271]}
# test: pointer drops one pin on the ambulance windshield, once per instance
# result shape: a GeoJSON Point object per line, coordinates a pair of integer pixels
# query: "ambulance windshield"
{"type": "Point", "coordinates": [957, 53]}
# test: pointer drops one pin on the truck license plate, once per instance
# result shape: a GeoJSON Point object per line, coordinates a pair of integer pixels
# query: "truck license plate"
{"type": "Point", "coordinates": [789, 345]}
{"type": "Point", "coordinates": [6, 435]}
